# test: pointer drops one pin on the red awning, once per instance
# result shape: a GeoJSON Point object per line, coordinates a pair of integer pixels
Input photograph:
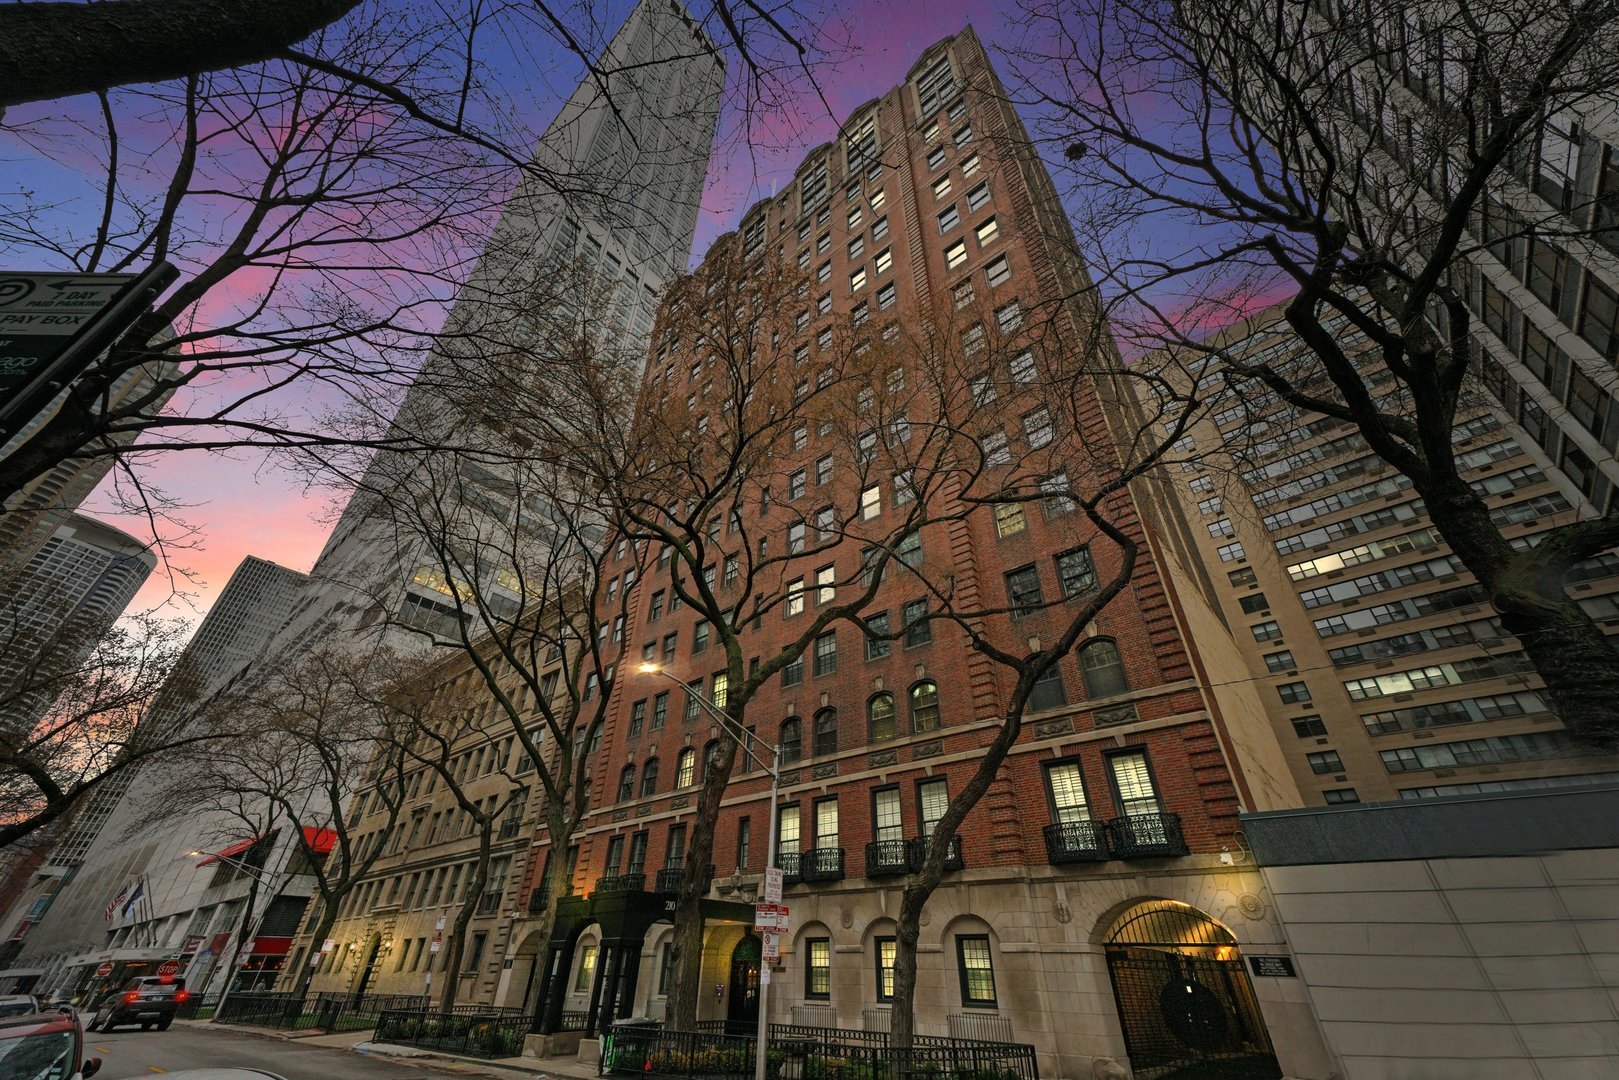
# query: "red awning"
{"type": "Point", "coordinates": [320, 841]}
{"type": "Point", "coordinates": [232, 851]}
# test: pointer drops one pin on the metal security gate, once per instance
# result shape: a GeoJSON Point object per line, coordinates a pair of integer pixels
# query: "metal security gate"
{"type": "Point", "coordinates": [1185, 1002]}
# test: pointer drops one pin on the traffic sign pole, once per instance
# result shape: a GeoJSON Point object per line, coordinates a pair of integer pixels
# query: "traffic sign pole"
{"type": "Point", "coordinates": [773, 878]}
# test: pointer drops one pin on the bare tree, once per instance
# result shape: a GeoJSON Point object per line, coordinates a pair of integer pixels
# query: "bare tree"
{"type": "Point", "coordinates": [71, 714]}
{"type": "Point", "coordinates": [1353, 153]}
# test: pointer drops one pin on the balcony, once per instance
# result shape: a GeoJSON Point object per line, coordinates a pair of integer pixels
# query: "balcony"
{"type": "Point", "coordinates": [1146, 836]}
{"type": "Point", "coordinates": [620, 883]}
{"type": "Point", "coordinates": [821, 864]}
{"type": "Point", "coordinates": [668, 880]}
{"type": "Point", "coordinates": [1076, 842]}
{"type": "Point", "coordinates": [539, 899]}
{"type": "Point", "coordinates": [887, 858]}
{"type": "Point", "coordinates": [790, 862]}
{"type": "Point", "coordinates": [919, 853]}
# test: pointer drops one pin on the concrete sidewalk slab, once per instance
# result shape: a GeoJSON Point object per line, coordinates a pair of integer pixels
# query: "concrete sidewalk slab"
{"type": "Point", "coordinates": [545, 1067]}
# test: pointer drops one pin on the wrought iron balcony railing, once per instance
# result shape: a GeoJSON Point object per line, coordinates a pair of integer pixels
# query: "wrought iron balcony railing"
{"type": "Point", "coordinates": [668, 880]}
{"type": "Point", "coordinates": [821, 864]}
{"type": "Point", "coordinates": [1146, 836]}
{"type": "Point", "coordinates": [888, 858]}
{"type": "Point", "coordinates": [1076, 841]}
{"type": "Point", "coordinates": [919, 853]}
{"type": "Point", "coordinates": [620, 883]}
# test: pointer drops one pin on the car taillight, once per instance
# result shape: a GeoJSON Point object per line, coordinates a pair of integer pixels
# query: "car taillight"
{"type": "Point", "coordinates": [180, 996]}
{"type": "Point", "coordinates": [131, 997]}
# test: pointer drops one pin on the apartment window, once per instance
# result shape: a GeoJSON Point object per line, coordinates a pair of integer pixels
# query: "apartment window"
{"type": "Point", "coordinates": [932, 798]}
{"type": "Point", "coordinates": [1278, 662]}
{"type": "Point", "coordinates": [1325, 761]}
{"type": "Point", "coordinates": [826, 585]}
{"type": "Point", "coordinates": [660, 710]}
{"type": "Point", "coordinates": [649, 777]}
{"type": "Point", "coordinates": [1066, 786]}
{"type": "Point", "coordinates": [857, 246]}
{"type": "Point", "coordinates": [987, 232]}
{"type": "Point", "coordinates": [794, 602]}
{"type": "Point", "coordinates": [983, 389]}
{"type": "Point", "coordinates": [826, 732]}
{"type": "Point", "coordinates": [1133, 784]}
{"type": "Point", "coordinates": [1231, 552]}
{"type": "Point", "coordinates": [1253, 603]}
{"type": "Point", "coordinates": [976, 969]}
{"type": "Point", "coordinates": [963, 135]}
{"type": "Point", "coordinates": [587, 969]}
{"type": "Point", "coordinates": [962, 294]}
{"type": "Point", "coordinates": [857, 280]}
{"type": "Point", "coordinates": [1266, 631]}
{"type": "Point", "coordinates": [885, 968]}
{"type": "Point", "coordinates": [790, 739]}
{"type": "Point", "coordinates": [935, 158]}
{"type": "Point", "coordinates": [887, 823]}
{"type": "Point", "coordinates": [880, 722]}
{"type": "Point", "coordinates": [950, 217]}
{"type": "Point", "coordinates": [1009, 519]}
{"type": "Point", "coordinates": [884, 260]}
{"type": "Point", "coordinates": [1047, 691]}
{"type": "Point", "coordinates": [886, 296]}
{"type": "Point", "coordinates": [1243, 577]}
{"type": "Point", "coordinates": [1340, 796]}
{"type": "Point", "coordinates": [1022, 367]}
{"type": "Point", "coordinates": [972, 339]}
{"type": "Point", "coordinates": [686, 768]}
{"type": "Point", "coordinates": [1306, 727]}
{"type": "Point", "coordinates": [699, 636]}
{"type": "Point", "coordinates": [1023, 591]}
{"type": "Point", "coordinates": [1037, 428]}
{"type": "Point", "coordinates": [711, 758]}
{"type": "Point", "coordinates": [1220, 528]}
{"type": "Point", "coordinates": [826, 823]}
{"type": "Point", "coordinates": [1599, 319]}
{"type": "Point", "coordinates": [626, 784]}
{"type": "Point", "coordinates": [638, 710]}
{"type": "Point", "coordinates": [1293, 693]}
{"type": "Point", "coordinates": [871, 502]}
{"type": "Point", "coordinates": [792, 673]}
{"type": "Point", "coordinates": [955, 255]}
{"type": "Point", "coordinates": [1102, 668]}
{"type": "Point", "coordinates": [878, 644]}
{"type": "Point", "coordinates": [797, 483]}
{"type": "Point", "coordinates": [826, 653]}
{"type": "Point", "coordinates": [879, 229]}
{"type": "Point", "coordinates": [818, 968]}
{"type": "Point", "coordinates": [744, 842]}
{"type": "Point", "coordinates": [1009, 317]}
{"type": "Point", "coordinates": [970, 165]}
{"type": "Point", "coordinates": [1075, 573]}
{"type": "Point", "coordinates": [733, 570]}
{"type": "Point", "coordinates": [925, 706]}
{"type": "Point", "coordinates": [918, 630]}
{"type": "Point", "coordinates": [995, 449]}
{"type": "Point", "coordinates": [998, 271]}
{"type": "Point", "coordinates": [978, 197]}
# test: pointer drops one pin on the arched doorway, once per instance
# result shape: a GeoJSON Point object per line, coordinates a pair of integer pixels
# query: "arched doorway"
{"type": "Point", "coordinates": [742, 1002]}
{"type": "Point", "coordinates": [1184, 999]}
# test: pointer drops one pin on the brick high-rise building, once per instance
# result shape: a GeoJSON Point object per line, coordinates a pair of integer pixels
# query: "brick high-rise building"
{"type": "Point", "coordinates": [1105, 862]}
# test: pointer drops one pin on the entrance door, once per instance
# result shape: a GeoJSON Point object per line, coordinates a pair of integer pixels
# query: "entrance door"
{"type": "Point", "coordinates": [742, 1003]}
{"type": "Point", "coordinates": [369, 969]}
{"type": "Point", "coordinates": [1184, 999]}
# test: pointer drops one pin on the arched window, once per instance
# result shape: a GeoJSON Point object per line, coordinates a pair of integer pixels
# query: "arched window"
{"type": "Point", "coordinates": [649, 777]}
{"type": "Point", "coordinates": [711, 758]}
{"type": "Point", "coordinates": [826, 731]}
{"type": "Point", "coordinates": [626, 784]}
{"type": "Point", "coordinates": [686, 770]}
{"type": "Point", "coordinates": [925, 706]}
{"type": "Point", "coordinates": [1103, 670]}
{"type": "Point", "coordinates": [791, 740]}
{"type": "Point", "coordinates": [880, 718]}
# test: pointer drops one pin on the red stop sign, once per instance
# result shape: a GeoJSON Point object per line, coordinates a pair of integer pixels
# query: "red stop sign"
{"type": "Point", "coordinates": [103, 971]}
{"type": "Point", "coordinates": [170, 968]}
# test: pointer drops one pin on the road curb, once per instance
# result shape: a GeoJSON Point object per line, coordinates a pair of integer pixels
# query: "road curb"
{"type": "Point", "coordinates": [412, 1053]}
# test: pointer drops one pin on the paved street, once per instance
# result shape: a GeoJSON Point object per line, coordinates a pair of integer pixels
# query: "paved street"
{"type": "Point", "coordinates": [132, 1053]}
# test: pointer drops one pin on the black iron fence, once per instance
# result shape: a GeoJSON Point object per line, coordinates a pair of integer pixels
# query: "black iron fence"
{"type": "Point", "coordinates": [475, 1030]}
{"type": "Point", "coordinates": [325, 1011]}
{"type": "Point", "coordinates": [197, 1007]}
{"type": "Point", "coordinates": [810, 1053]}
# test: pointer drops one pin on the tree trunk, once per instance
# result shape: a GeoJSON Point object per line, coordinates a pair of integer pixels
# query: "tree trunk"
{"type": "Point", "coordinates": [1577, 661]}
{"type": "Point", "coordinates": [686, 945]}
{"type": "Point", "coordinates": [455, 949]}
{"type": "Point", "coordinates": [52, 50]}
{"type": "Point", "coordinates": [323, 930]}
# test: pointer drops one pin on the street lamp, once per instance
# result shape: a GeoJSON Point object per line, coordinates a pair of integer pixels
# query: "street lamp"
{"type": "Point", "coordinates": [732, 729]}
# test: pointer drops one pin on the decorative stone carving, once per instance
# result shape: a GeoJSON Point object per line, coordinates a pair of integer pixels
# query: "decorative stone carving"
{"type": "Point", "coordinates": [1064, 913]}
{"type": "Point", "coordinates": [887, 757]}
{"type": "Point", "coordinates": [821, 772]}
{"type": "Point", "coordinates": [620, 815]}
{"type": "Point", "coordinates": [1118, 714]}
{"type": "Point", "coordinates": [846, 918]}
{"type": "Point", "coordinates": [1251, 906]}
{"type": "Point", "coordinates": [928, 749]}
{"type": "Point", "coordinates": [643, 811]}
{"type": "Point", "coordinates": [1045, 729]}
{"type": "Point", "coordinates": [925, 918]}
{"type": "Point", "coordinates": [680, 801]}
{"type": "Point", "coordinates": [788, 778]}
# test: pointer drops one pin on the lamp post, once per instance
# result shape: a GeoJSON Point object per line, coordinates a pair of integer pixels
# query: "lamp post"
{"type": "Point", "coordinates": [774, 770]}
{"type": "Point", "coordinates": [259, 881]}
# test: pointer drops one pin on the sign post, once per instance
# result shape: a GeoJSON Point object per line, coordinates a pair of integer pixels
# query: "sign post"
{"type": "Point", "coordinates": [53, 326]}
{"type": "Point", "coordinates": [433, 949]}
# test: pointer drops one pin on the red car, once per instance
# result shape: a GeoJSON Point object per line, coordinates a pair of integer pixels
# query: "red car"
{"type": "Point", "coordinates": [44, 1046]}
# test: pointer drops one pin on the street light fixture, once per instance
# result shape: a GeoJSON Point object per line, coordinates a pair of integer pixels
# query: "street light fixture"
{"type": "Point", "coordinates": [734, 730]}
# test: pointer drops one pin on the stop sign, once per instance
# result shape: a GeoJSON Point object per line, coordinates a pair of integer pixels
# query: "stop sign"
{"type": "Point", "coordinates": [103, 971]}
{"type": "Point", "coordinates": [169, 968]}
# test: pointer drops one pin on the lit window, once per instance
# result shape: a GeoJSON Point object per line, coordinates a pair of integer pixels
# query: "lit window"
{"type": "Point", "coordinates": [987, 232]}
{"type": "Point", "coordinates": [976, 969]}
{"type": "Point", "coordinates": [871, 502]}
{"type": "Point", "coordinates": [818, 968]}
{"type": "Point", "coordinates": [857, 280]}
{"type": "Point", "coordinates": [795, 596]}
{"type": "Point", "coordinates": [1010, 519]}
{"type": "Point", "coordinates": [955, 255]}
{"type": "Point", "coordinates": [941, 187]}
{"type": "Point", "coordinates": [884, 260]}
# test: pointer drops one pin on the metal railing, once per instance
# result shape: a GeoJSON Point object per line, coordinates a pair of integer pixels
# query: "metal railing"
{"type": "Point", "coordinates": [484, 1031]}
{"type": "Point", "coordinates": [790, 862]}
{"type": "Point", "coordinates": [640, 1048]}
{"type": "Point", "coordinates": [621, 883]}
{"type": "Point", "coordinates": [888, 858]}
{"type": "Point", "coordinates": [980, 1027]}
{"type": "Point", "coordinates": [324, 1011]}
{"type": "Point", "coordinates": [1076, 841]}
{"type": "Point", "coordinates": [821, 864]}
{"type": "Point", "coordinates": [874, 1019]}
{"type": "Point", "coordinates": [668, 879]}
{"type": "Point", "coordinates": [919, 853]}
{"type": "Point", "coordinates": [539, 899]}
{"type": "Point", "coordinates": [197, 1007]}
{"type": "Point", "coordinates": [1146, 836]}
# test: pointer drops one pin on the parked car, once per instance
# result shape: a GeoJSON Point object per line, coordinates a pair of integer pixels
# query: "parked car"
{"type": "Point", "coordinates": [147, 1000]}
{"type": "Point", "coordinates": [18, 1004]}
{"type": "Point", "coordinates": [44, 1046]}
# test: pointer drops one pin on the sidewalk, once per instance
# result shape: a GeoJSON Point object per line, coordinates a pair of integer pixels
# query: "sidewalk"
{"type": "Point", "coordinates": [360, 1042]}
